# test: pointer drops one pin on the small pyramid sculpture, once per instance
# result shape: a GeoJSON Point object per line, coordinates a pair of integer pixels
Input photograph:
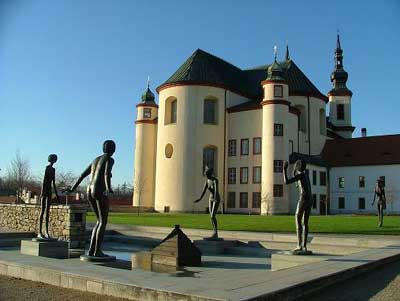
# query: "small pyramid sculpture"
{"type": "Point", "coordinates": [176, 250]}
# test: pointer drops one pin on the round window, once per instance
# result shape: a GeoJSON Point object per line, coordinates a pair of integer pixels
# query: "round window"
{"type": "Point", "coordinates": [169, 150]}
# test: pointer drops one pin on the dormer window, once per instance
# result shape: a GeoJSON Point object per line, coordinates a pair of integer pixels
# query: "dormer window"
{"type": "Point", "coordinates": [278, 91]}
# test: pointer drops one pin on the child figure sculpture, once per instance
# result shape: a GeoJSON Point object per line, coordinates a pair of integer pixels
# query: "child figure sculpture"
{"type": "Point", "coordinates": [212, 185]}
{"type": "Point", "coordinates": [97, 190]}
{"type": "Point", "coordinates": [379, 193]}
{"type": "Point", "coordinates": [45, 197]}
{"type": "Point", "coordinates": [304, 204]}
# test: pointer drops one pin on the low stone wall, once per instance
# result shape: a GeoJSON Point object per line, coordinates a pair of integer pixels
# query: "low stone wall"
{"type": "Point", "coordinates": [66, 222]}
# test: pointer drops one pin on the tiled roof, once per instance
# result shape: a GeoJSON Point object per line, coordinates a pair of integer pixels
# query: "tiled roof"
{"type": "Point", "coordinates": [202, 67]}
{"type": "Point", "coordinates": [309, 159]}
{"type": "Point", "coordinates": [374, 150]}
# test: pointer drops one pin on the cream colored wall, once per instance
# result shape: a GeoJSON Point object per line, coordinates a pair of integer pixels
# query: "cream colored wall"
{"type": "Point", "coordinates": [243, 125]}
{"type": "Point", "coordinates": [317, 140]}
{"type": "Point", "coordinates": [179, 179]}
{"type": "Point", "coordinates": [145, 160]}
{"type": "Point", "coordinates": [333, 101]}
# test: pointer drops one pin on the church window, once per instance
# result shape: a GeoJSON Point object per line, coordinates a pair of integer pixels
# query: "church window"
{"type": "Point", "coordinates": [314, 177]}
{"type": "Point", "coordinates": [278, 129]}
{"type": "Point", "coordinates": [146, 113]}
{"type": "Point", "coordinates": [232, 175]}
{"type": "Point", "coordinates": [361, 203]}
{"type": "Point", "coordinates": [278, 91]}
{"type": "Point", "coordinates": [314, 201]}
{"type": "Point", "coordinates": [278, 166]}
{"type": "Point", "coordinates": [210, 111]}
{"type": "Point", "coordinates": [231, 199]}
{"type": "Point", "coordinates": [244, 200]}
{"type": "Point", "coordinates": [340, 111]}
{"type": "Point", "coordinates": [256, 146]}
{"type": "Point", "coordinates": [341, 182]}
{"type": "Point", "coordinates": [278, 190]}
{"type": "Point", "coordinates": [244, 175]}
{"type": "Point", "coordinates": [322, 178]}
{"type": "Point", "coordinates": [210, 158]}
{"type": "Point", "coordinates": [322, 122]}
{"type": "Point", "coordinates": [171, 107]}
{"type": "Point", "coordinates": [341, 203]}
{"type": "Point", "coordinates": [256, 174]}
{"type": "Point", "coordinates": [232, 147]}
{"type": "Point", "coordinates": [256, 200]}
{"type": "Point", "coordinates": [244, 147]}
{"type": "Point", "coordinates": [361, 181]}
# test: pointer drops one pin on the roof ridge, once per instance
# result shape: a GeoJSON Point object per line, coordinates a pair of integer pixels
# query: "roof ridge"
{"type": "Point", "coordinates": [216, 57]}
{"type": "Point", "coordinates": [370, 137]}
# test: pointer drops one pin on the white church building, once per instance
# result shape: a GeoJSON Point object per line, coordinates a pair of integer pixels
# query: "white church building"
{"type": "Point", "coordinates": [245, 124]}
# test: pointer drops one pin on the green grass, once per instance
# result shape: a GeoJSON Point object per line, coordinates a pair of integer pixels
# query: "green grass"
{"type": "Point", "coordinates": [349, 224]}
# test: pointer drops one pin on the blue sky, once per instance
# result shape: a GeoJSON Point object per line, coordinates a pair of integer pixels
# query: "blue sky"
{"type": "Point", "coordinates": [71, 72]}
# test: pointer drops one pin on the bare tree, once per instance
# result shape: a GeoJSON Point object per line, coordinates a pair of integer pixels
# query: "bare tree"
{"type": "Point", "coordinates": [138, 188]}
{"type": "Point", "coordinates": [65, 179]}
{"type": "Point", "coordinates": [19, 173]}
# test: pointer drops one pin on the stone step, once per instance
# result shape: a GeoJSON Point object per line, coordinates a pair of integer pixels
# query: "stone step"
{"type": "Point", "coordinates": [15, 235]}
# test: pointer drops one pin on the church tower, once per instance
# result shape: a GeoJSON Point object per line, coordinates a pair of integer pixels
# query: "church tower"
{"type": "Point", "coordinates": [275, 116]}
{"type": "Point", "coordinates": [340, 97]}
{"type": "Point", "coordinates": [145, 150]}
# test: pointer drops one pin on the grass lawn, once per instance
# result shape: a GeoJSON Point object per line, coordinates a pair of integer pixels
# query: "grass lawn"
{"type": "Point", "coordinates": [283, 223]}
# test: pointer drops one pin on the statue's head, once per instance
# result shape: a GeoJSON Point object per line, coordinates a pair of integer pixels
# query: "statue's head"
{"type": "Point", "coordinates": [109, 147]}
{"type": "Point", "coordinates": [300, 165]}
{"type": "Point", "coordinates": [52, 158]}
{"type": "Point", "coordinates": [380, 182]}
{"type": "Point", "coordinates": [208, 171]}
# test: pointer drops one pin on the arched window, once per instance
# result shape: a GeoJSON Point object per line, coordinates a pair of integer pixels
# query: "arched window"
{"type": "Point", "coordinates": [210, 111]}
{"type": "Point", "coordinates": [210, 158]}
{"type": "Point", "coordinates": [302, 118]}
{"type": "Point", "coordinates": [171, 107]}
{"type": "Point", "coordinates": [322, 122]}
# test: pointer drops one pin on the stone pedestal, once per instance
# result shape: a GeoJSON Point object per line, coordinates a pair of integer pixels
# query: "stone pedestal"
{"type": "Point", "coordinates": [51, 248]}
{"type": "Point", "coordinates": [214, 246]}
{"type": "Point", "coordinates": [97, 258]}
{"type": "Point", "coordinates": [285, 260]}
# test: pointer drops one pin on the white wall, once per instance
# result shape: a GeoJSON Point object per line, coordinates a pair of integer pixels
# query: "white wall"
{"type": "Point", "coordinates": [351, 191]}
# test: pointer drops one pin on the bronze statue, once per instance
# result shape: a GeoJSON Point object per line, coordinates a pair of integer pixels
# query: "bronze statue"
{"type": "Point", "coordinates": [212, 185]}
{"type": "Point", "coordinates": [380, 194]}
{"type": "Point", "coordinates": [45, 197]}
{"type": "Point", "coordinates": [97, 191]}
{"type": "Point", "coordinates": [304, 204]}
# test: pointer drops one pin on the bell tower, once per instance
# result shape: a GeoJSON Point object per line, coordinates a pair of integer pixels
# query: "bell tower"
{"type": "Point", "coordinates": [340, 97]}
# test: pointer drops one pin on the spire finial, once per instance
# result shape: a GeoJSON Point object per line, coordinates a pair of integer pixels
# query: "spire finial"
{"type": "Point", "coordinates": [275, 51]}
{"type": "Point", "coordinates": [287, 56]}
{"type": "Point", "coordinates": [338, 40]}
{"type": "Point", "coordinates": [148, 81]}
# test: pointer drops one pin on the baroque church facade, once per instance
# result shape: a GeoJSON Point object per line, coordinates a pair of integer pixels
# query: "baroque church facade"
{"type": "Point", "coordinates": [244, 124]}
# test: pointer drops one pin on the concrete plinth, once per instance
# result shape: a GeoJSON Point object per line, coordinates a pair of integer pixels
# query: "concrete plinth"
{"type": "Point", "coordinates": [97, 258]}
{"type": "Point", "coordinates": [214, 246]}
{"type": "Point", "coordinates": [285, 260]}
{"type": "Point", "coordinates": [50, 248]}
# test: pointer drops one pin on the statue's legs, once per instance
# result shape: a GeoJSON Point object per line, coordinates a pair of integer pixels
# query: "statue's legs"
{"type": "Point", "coordinates": [299, 227]}
{"type": "Point", "coordinates": [103, 208]}
{"type": "Point", "coordinates": [93, 204]}
{"type": "Point", "coordinates": [213, 212]}
{"type": "Point", "coordinates": [42, 210]}
{"type": "Point", "coordinates": [47, 216]}
{"type": "Point", "coordinates": [305, 225]}
{"type": "Point", "coordinates": [380, 214]}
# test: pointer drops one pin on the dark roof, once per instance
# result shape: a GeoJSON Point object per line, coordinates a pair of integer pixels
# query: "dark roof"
{"type": "Point", "coordinates": [374, 150]}
{"type": "Point", "coordinates": [314, 160]}
{"type": "Point", "coordinates": [202, 67]}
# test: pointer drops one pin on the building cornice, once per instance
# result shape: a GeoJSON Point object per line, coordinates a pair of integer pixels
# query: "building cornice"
{"type": "Point", "coordinates": [273, 81]}
{"type": "Point", "coordinates": [147, 121]}
{"type": "Point", "coordinates": [143, 104]}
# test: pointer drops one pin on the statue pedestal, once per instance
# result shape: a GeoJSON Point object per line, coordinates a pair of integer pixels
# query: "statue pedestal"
{"type": "Point", "coordinates": [97, 258]}
{"type": "Point", "coordinates": [214, 246]}
{"type": "Point", "coordinates": [45, 248]}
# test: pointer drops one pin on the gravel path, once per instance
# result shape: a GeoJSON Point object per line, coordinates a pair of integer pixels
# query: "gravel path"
{"type": "Point", "coordinates": [13, 289]}
{"type": "Point", "coordinates": [382, 284]}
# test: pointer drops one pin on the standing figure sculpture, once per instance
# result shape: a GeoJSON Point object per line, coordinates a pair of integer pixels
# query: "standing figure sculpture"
{"type": "Point", "coordinates": [304, 204]}
{"type": "Point", "coordinates": [379, 193]}
{"type": "Point", "coordinates": [45, 197]}
{"type": "Point", "coordinates": [98, 189]}
{"type": "Point", "coordinates": [212, 185]}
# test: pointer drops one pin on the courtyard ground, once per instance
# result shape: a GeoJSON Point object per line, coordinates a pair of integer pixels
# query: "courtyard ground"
{"type": "Point", "coordinates": [339, 224]}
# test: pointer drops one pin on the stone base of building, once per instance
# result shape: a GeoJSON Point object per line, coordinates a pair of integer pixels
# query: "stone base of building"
{"type": "Point", "coordinates": [50, 248]}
